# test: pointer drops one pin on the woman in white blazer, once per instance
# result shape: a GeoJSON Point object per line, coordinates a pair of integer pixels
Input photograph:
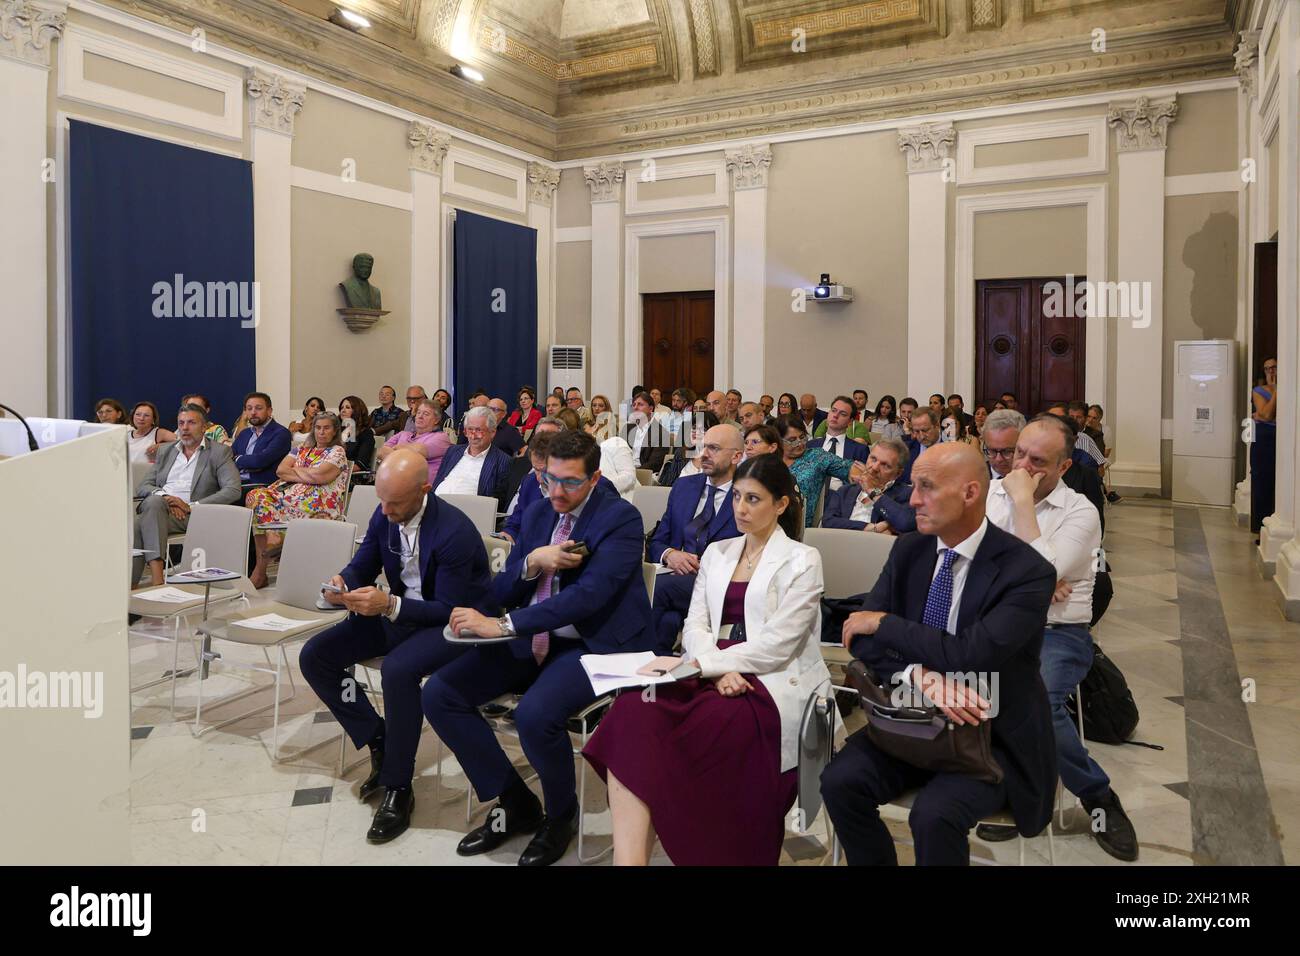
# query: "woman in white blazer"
{"type": "Point", "coordinates": [710, 765]}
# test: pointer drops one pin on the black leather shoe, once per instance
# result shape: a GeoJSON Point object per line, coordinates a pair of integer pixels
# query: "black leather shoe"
{"type": "Point", "coordinates": [550, 843]}
{"type": "Point", "coordinates": [1115, 834]}
{"type": "Point", "coordinates": [393, 816]}
{"type": "Point", "coordinates": [499, 827]}
{"type": "Point", "coordinates": [995, 832]}
{"type": "Point", "coordinates": [370, 786]}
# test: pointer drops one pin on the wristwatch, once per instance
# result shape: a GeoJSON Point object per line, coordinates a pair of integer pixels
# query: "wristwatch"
{"type": "Point", "coordinates": [506, 628]}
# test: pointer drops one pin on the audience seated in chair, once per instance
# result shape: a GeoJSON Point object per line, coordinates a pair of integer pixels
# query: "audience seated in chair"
{"type": "Point", "coordinates": [697, 514]}
{"type": "Point", "coordinates": [649, 440]}
{"type": "Point", "coordinates": [477, 467]}
{"type": "Point", "coordinates": [682, 462]}
{"type": "Point", "coordinates": [433, 558]}
{"type": "Point", "coordinates": [189, 471]}
{"type": "Point", "coordinates": [145, 436]}
{"type": "Point", "coordinates": [507, 437]}
{"type": "Point", "coordinates": [879, 500]}
{"type": "Point", "coordinates": [562, 604]}
{"type": "Point", "coordinates": [1033, 503]}
{"type": "Point", "coordinates": [427, 439]}
{"type": "Point", "coordinates": [300, 431]}
{"type": "Point", "coordinates": [310, 483]}
{"type": "Point", "coordinates": [358, 436]}
{"type": "Point", "coordinates": [527, 415]}
{"type": "Point", "coordinates": [811, 467]}
{"type": "Point", "coordinates": [960, 597]}
{"type": "Point", "coordinates": [885, 422]}
{"type": "Point", "coordinates": [387, 417]}
{"type": "Point", "coordinates": [109, 411]}
{"type": "Point", "coordinates": [216, 432]}
{"type": "Point", "coordinates": [709, 764]}
{"type": "Point", "coordinates": [840, 427]}
{"type": "Point", "coordinates": [262, 444]}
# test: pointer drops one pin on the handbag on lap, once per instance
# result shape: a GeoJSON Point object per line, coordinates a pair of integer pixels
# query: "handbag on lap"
{"type": "Point", "coordinates": [923, 736]}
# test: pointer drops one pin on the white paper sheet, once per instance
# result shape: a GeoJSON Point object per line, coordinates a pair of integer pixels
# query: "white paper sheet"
{"type": "Point", "coordinates": [270, 622]}
{"type": "Point", "coordinates": [167, 595]}
{"type": "Point", "coordinates": [609, 672]}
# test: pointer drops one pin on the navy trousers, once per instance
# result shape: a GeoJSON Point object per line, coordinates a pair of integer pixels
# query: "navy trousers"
{"type": "Point", "coordinates": [672, 601]}
{"type": "Point", "coordinates": [410, 655]}
{"type": "Point", "coordinates": [552, 693]}
{"type": "Point", "coordinates": [861, 778]}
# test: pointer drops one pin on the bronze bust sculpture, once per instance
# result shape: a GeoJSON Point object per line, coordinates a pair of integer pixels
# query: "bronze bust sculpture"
{"type": "Point", "coordinates": [358, 291]}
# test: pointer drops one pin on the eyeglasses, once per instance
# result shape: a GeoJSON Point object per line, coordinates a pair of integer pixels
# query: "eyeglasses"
{"type": "Point", "coordinates": [714, 449]}
{"type": "Point", "coordinates": [794, 442]}
{"type": "Point", "coordinates": [999, 452]}
{"type": "Point", "coordinates": [1270, 368]}
{"type": "Point", "coordinates": [567, 485]}
{"type": "Point", "coordinates": [476, 432]}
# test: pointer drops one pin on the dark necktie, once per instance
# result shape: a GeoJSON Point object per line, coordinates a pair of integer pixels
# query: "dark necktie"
{"type": "Point", "coordinates": [835, 447]}
{"type": "Point", "coordinates": [694, 536]}
{"type": "Point", "coordinates": [939, 601]}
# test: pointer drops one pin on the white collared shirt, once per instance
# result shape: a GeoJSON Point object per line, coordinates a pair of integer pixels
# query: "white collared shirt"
{"type": "Point", "coordinates": [408, 536]}
{"type": "Point", "coordinates": [463, 479]}
{"type": "Point", "coordinates": [1069, 536]}
{"type": "Point", "coordinates": [180, 477]}
{"type": "Point", "coordinates": [864, 504]}
{"type": "Point", "coordinates": [838, 451]}
{"type": "Point", "coordinates": [638, 439]}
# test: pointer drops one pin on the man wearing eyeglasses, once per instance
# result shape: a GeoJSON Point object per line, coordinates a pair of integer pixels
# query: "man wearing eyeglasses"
{"type": "Point", "coordinates": [1001, 429]}
{"type": "Point", "coordinates": [698, 513]}
{"type": "Point", "coordinates": [563, 602]}
{"type": "Point", "coordinates": [433, 558]}
{"type": "Point", "coordinates": [477, 467]}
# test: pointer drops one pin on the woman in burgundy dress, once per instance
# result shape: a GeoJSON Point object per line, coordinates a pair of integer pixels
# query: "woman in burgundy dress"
{"type": "Point", "coordinates": [709, 765]}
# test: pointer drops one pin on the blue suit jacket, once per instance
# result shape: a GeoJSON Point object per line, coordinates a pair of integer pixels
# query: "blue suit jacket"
{"type": "Point", "coordinates": [1000, 624]}
{"type": "Point", "coordinates": [679, 512]}
{"type": "Point", "coordinates": [267, 454]}
{"type": "Point", "coordinates": [454, 568]}
{"type": "Point", "coordinates": [604, 598]}
{"type": "Point", "coordinates": [530, 492]}
{"type": "Point", "coordinates": [493, 474]}
{"type": "Point", "coordinates": [892, 506]}
{"type": "Point", "coordinates": [852, 450]}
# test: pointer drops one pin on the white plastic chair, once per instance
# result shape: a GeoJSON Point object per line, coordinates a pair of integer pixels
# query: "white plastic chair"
{"type": "Point", "coordinates": [481, 509]}
{"type": "Point", "coordinates": [652, 502]}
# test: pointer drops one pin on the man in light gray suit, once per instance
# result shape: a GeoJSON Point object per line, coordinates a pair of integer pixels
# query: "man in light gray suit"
{"type": "Point", "coordinates": [190, 470]}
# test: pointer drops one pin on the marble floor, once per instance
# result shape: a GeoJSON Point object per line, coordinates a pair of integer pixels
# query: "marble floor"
{"type": "Point", "coordinates": [1213, 666]}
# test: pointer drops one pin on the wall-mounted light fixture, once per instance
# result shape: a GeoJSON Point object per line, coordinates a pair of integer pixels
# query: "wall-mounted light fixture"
{"type": "Point", "coordinates": [467, 73]}
{"type": "Point", "coordinates": [349, 20]}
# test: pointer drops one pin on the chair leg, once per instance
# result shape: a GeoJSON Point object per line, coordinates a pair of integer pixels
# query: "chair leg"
{"type": "Point", "coordinates": [582, 794]}
{"type": "Point", "coordinates": [835, 849]}
{"type": "Point", "coordinates": [1021, 840]}
{"type": "Point", "coordinates": [1051, 846]}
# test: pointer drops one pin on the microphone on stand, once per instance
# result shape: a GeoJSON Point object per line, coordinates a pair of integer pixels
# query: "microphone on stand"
{"type": "Point", "coordinates": [31, 438]}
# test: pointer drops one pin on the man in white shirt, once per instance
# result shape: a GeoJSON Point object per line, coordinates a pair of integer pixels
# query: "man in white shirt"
{"type": "Point", "coordinates": [191, 470]}
{"type": "Point", "coordinates": [573, 399]}
{"type": "Point", "coordinates": [463, 478]}
{"type": "Point", "coordinates": [1063, 526]}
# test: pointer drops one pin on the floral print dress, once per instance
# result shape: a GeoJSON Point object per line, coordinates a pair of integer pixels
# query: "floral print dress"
{"type": "Point", "coordinates": [283, 501]}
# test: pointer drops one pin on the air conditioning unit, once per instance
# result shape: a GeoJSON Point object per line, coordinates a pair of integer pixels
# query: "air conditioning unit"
{"type": "Point", "coordinates": [568, 368]}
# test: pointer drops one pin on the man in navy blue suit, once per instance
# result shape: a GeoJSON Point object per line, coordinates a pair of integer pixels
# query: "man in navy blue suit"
{"type": "Point", "coordinates": [961, 597]}
{"type": "Point", "coordinates": [574, 586]}
{"type": "Point", "coordinates": [477, 467]}
{"type": "Point", "coordinates": [697, 514]}
{"type": "Point", "coordinates": [878, 501]}
{"type": "Point", "coordinates": [925, 432]}
{"type": "Point", "coordinates": [259, 448]}
{"type": "Point", "coordinates": [434, 559]}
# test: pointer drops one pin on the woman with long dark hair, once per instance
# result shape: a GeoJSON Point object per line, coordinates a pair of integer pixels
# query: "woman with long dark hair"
{"type": "Point", "coordinates": [709, 765]}
{"type": "Point", "coordinates": [885, 421]}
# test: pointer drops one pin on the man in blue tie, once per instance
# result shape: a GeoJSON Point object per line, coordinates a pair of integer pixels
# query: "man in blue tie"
{"type": "Point", "coordinates": [574, 584]}
{"type": "Point", "coordinates": [698, 513]}
{"type": "Point", "coordinates": [960, 600]}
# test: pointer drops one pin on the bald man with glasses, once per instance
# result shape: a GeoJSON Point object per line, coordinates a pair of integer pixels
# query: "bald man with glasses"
{"type": "Point", "coordinates": [698, 513]}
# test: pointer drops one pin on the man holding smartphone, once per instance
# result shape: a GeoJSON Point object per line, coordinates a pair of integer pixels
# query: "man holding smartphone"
{"type": "Point", "coordinates": [433, 558]}
{"type": "Point", "coordinates": [573, 585]}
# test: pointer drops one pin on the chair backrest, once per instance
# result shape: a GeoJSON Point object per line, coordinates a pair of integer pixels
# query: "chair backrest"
{"type": "Point", "coordinates": [498, 550]}
{"type": "Point", "coordinates": [314, 551]}
{"type": "Point", "coordinates": [645, 476]}
{"type": "Point", "coordinates": [821, 506]}
{"type": "Point", "coordinates": [851, 560]}
{"type": "Point", "coordinates": [652, 502]}
{"type": "Point", "coordinates": [362, 505]}
{"type": "Point", "coordinates": [481, 510]}
{"type": "Point", "coordinates": [219, 535]}
{"type": "Point", "coordinates": [648, 574]}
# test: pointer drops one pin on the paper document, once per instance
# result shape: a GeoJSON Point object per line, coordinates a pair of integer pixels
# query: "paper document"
{"type": "Point", "coordinates": [202, 575]}
{"type": "Point", "coordinates": [663, 569]}
{"type": "Point", "coordinates": [167, 595]}
{"type": "Point", "coordinates": [609, 672]}
{"type": "Point", "coordinates": [270, 622]}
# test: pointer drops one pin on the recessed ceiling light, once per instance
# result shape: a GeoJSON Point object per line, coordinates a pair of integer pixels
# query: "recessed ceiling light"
{"type": "Point", "coordinates": [350, 19]}
{"type": "Point", "coordinates": [467, 73]}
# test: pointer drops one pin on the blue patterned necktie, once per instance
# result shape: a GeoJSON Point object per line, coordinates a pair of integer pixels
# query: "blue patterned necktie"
{"type": "Point", "coordinates": [699, 525]}
{"type": "Point", "coordinates": [939, 601]}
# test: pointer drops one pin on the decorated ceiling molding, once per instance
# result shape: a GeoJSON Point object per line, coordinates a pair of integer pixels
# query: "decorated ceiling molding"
{"type": "Point", "coordinates": [573, 78]}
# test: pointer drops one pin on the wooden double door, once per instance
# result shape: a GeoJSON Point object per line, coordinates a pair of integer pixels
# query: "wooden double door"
{"type": "Point", "coordinates": [1027, 341]}
{"type": "Point", "coordinates": [677, 343]}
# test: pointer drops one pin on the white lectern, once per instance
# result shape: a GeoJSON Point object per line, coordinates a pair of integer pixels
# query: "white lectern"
{"type": "Point", "coordinates": [65, 706]}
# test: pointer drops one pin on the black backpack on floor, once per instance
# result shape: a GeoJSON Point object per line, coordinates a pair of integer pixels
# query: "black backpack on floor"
{"type": "Point", "coordinates": [1110, 715]}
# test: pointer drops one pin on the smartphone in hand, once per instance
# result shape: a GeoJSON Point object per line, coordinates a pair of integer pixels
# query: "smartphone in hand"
{"type": "Point", "coordinates": [576, 547]}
